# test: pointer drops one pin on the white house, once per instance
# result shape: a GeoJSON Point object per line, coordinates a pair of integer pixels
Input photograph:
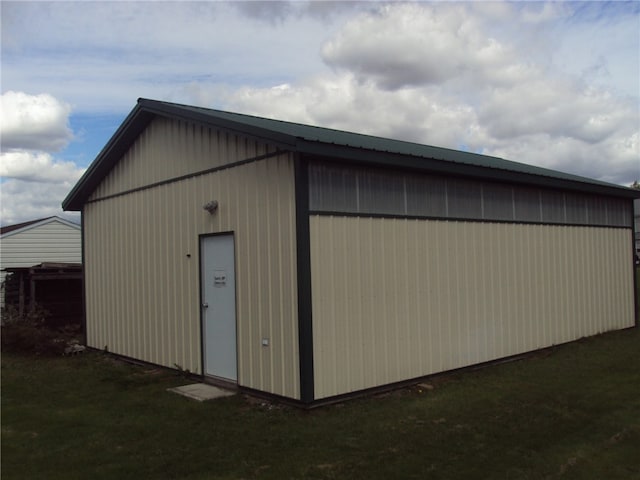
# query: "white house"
{"type": "Point", "coordinates": [45, 240]}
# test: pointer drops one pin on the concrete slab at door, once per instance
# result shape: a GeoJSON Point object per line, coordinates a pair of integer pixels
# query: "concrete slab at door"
{"type": "Point", "coordinates": [218, 294]}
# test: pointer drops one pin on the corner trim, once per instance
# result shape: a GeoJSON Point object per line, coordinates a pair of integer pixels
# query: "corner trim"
{"type": "Point", "coordinates": [303, 261]}
{"type": "Point", "coordinates": [329, 213]}
{"type": "Point", "coordinates": [635, 269]}
{"type": "Point", "coordinates": [85, 336]}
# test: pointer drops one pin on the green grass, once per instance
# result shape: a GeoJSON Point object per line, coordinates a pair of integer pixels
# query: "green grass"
{"type": "Point", "coordinates": [572, 412]}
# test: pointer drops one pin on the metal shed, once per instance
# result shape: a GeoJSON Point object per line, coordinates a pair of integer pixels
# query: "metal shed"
{"type": "Point", "coordinates": [311, 263]}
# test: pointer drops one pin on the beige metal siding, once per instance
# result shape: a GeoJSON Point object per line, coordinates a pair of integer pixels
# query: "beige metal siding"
{"type": "Point", "coordinates": [142, 270]}
{"type": "Point", "coordinates": [169, 148]}
{"type": "Point", "coordinates": [395, 299]}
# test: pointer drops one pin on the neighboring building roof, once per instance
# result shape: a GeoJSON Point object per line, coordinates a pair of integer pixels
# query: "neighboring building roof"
{"type": "Point", "coordinates": [21, 227]}
{"type": "Point", "coordinates": [17, 226]}
{"type": "Point", "coordinates": [324, 142]}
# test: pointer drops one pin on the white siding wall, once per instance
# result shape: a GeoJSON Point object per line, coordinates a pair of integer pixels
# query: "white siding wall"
{"type": "Point", "coordinates": [395, 299]}
{"type": "Point", "coordinates": [54, 241]}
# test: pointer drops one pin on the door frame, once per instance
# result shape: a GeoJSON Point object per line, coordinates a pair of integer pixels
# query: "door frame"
{"type": "Point", "coordinates": [212, 378]}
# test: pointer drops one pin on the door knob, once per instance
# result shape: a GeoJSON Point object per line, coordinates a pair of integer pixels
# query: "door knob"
{"type": "Point", "coordinates": [205, 305]}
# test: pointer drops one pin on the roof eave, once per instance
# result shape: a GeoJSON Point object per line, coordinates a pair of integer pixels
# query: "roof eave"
{"type": "Point", "coordinates": [139, 118]}
{"type": "Point", "coordinates": [117, 145]}
{"type": "Point", "coordinates": [452, 163]}
{"type": "Point", "coordinates": [176, 111]}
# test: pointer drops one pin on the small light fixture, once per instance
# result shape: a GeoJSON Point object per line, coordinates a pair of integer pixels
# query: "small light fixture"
{"type": "Point", "coordinates": [211, 206]}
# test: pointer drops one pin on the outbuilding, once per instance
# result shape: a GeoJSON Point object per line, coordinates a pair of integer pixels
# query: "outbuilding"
{"type": "Point", "coordinates": [311, 263]}
{"type": "Point", "coordinates": [28, 245]}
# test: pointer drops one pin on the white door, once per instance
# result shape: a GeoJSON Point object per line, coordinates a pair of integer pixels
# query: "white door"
{"type": "Point", "coordinates": [218, 294]}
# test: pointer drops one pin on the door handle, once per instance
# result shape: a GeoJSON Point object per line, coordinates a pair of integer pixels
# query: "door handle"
{"type": "Point", "coordinates": [205, 305]}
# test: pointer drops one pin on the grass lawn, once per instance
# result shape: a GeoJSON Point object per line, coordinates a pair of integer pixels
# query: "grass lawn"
{"type": "Point", "coordinates": [572, 412]}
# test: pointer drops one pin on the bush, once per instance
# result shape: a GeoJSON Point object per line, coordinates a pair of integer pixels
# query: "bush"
{"type": "Point", "coordinates": [29, 333]}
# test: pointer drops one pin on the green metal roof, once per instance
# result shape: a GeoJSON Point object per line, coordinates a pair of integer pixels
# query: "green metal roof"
{"type": "Point", "coordinates": [328, 143]}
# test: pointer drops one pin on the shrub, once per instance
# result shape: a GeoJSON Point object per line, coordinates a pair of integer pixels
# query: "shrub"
{"type": "Point", "coordinates": [29, 333]}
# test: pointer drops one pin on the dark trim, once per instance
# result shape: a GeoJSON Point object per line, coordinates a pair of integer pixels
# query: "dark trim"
{"type": "Point", "coordinates": [220, 382]}
{"type": "Point", "coordinates": [410, 382]}
{"type": "Point", "coordinates": [309, 140]}
{"type": "Point", "coordinates": [635, 269]}
{"type": "Point", "coordinates": [231, 122]}
{"type": "Point", "coordinates": [274, 398]}
{"type": "Point", "coordinates": [204, 375]}
{"type": "Point", "coordinates": [189, 175]}
{"type": "Point", "coordinates": [143, 363]}
{"type": "Point", "coordinates": [303, 260]}
{"type": "Point", "coordinates": [453, 219]}
{"type": "Point", "coordinates": [118, 144]}
{"type": "Point", "coordinates": [636, 301]}
{"type": "Point", "coordinates": [84, 278]}
{"type": "Point", "coordinates": [201, 317]}
{"type": "Point", "coordinates": [468, 369]}
{"type": "Point", "coordinates": [454, 174]}
{"type": "Point", "coordinates": [321, 142]}
{"type": "Point", "coordinates": [367, 391]}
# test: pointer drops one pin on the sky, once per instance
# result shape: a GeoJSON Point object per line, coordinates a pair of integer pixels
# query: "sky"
{"type": "Point", "coordinates": [553, 84]}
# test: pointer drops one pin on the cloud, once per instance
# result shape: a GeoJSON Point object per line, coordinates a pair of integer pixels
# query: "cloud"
{"type": "Point", "coordinates": [34, 182]}
{"type": "Point", "coordinates": [601, 44]}
{"type": "Point", "coordinates": [37, 167]}
{"type": "Point", "coordinates": [111, 53]}
{"type": "Point", "coordinates": [275, 12]}
{"type": "Point", "coordinates": [436, 75]}
{"type": "Point", "coordinates": [415, 44]}
{"type": "Point", "coordinates": [557, 108]}
{"type": "Point", "coordinates": [551, 84]}
{"type": "Point", "coordinates": [271, 12]}
{"type": "Point", "coordinates": [343, 102]}
{"type": "Point", "coordinates": [615, 160]}
{"type": "Point", "coordinates": [541, 12]}
{"type": "Point", "coordinates": [34, 122]}
{"type": "Point", "coordinates": [20, 201]}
